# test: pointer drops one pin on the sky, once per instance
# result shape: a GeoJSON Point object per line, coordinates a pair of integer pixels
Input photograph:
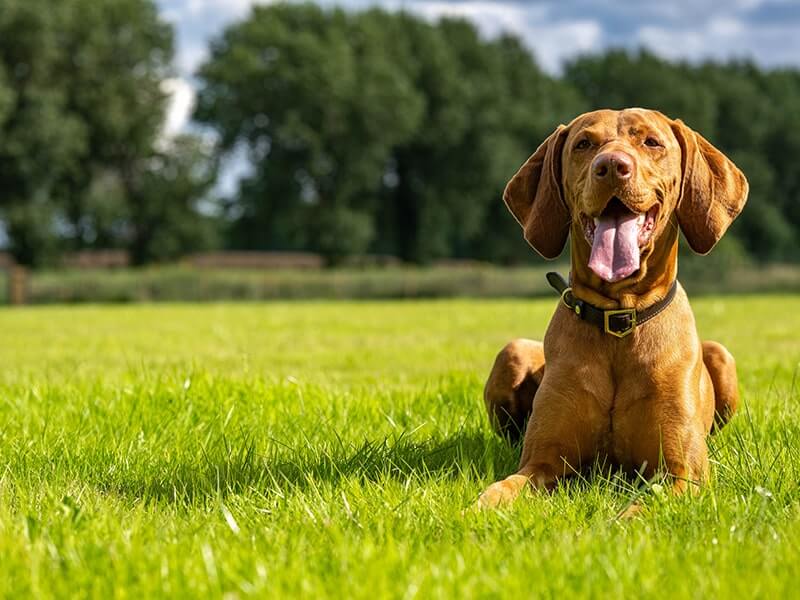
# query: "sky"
{"type": "Point", "coordinates": [766, 31]}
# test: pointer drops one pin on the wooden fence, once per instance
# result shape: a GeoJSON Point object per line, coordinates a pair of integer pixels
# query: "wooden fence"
{"type": "Point", "coordinates": [16, 277]}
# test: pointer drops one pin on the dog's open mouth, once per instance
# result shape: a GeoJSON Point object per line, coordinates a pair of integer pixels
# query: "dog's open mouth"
{"type": "Point", "coordinates": [616, 237]}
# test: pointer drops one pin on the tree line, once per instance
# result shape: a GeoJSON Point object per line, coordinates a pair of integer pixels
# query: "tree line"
{"type": "Point", "coordinates": [366, 132]}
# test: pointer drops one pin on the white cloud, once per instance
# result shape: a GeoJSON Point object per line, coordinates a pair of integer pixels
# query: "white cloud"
{"type": "Point", "coordinates": [552, 41]}
{"type": "Point", "coordinates": [553, 44]}
{"type": "Point", "coordinates": [725, 38]}
{"type": "Point", "coordinates": [492, 18]}
{"type": "Point", "coordinates": [180, 105]}
{"type": "Point", "coordinates": [229, 8]}
{"type": "Point", "coordinates": [726, 27]}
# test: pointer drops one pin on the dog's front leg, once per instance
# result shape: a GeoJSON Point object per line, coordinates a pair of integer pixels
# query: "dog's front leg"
{"type": "Point", "coordinates": [564, 432]}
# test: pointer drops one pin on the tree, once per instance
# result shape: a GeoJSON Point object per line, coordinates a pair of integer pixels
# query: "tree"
{"type": "Point", "coordinates": [318, 104]}
{"type": "Point", "coordinates": [489, 106]}
{"type": "Point", "coordinates": [80, 95]}
{"type": "Point", "coordinates": [165, 193]}
{"type": "Point", "coordinates": [781, 90]}
{"type": "Point", "coordinates": [620, 79]}
{"type": "Point", "coordinates": [40, 141]}
{"type": "Point", "coordinates": [372, 130]}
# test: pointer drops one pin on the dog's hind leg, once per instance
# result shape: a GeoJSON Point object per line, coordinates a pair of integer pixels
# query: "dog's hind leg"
{"type": "Point", "coordinates": [512, 384]}
{"type": "Point", "coordinates": [722, 369]}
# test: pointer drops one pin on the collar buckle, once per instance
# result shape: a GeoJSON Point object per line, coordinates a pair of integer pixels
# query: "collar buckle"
{"type": "Point", "coordinates": [619, 323]}
{"type": "Point", "coordinates": [576, 305]}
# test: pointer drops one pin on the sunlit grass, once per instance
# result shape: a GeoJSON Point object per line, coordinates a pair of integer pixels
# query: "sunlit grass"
{"type": "Point", "coordinates": [330, 449]}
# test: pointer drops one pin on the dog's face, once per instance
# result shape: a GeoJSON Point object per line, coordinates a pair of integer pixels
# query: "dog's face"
{"type": "Point", "coordinates": [616, 178]}
{"type": "Point", "coordinates": [622, 180]}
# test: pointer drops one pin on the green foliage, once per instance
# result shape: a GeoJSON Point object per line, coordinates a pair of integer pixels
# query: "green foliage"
{"type": "Point", "coordinates": [620, 79]}
{"type": "Point", "coordinates": [414, 126]}
{"type": "Point", "coordinates": [319, 111]}
{"type": "Point", "coordinates": [81, 107]}
{"type": "Point", "coordinates": [29, 225]}
{"type": "Point", "coordinates": [328, 449]}
{"type": "Point", "coordinates": [41, 140]}
{"type": "Point", "coordinates": [341, 232]}
{"type": "Point", "coordinates": [163, 194]}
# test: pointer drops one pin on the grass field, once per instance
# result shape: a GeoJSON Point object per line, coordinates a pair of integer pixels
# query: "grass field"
{"type": "Point", "coordinates": [328, 449]}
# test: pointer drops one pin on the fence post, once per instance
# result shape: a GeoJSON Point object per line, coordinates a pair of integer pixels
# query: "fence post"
{"type": "Point", "coordinates": [17, 285]}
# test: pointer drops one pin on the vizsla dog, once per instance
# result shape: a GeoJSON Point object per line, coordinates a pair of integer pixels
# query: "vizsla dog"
{"type": "Point", "coordinates": [622, 373]}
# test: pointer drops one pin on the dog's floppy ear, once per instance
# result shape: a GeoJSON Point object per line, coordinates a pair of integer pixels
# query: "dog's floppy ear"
{"type": "Point", "coordinates": [535, 198]}
{"type": "Point", "coordinates": [713, 190]}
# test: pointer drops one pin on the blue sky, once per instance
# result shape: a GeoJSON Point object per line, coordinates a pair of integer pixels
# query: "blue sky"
{"type": "Point", "coordinates": [768, 31]}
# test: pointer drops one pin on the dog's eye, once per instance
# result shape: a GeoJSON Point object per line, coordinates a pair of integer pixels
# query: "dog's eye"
{"type": "Point", "coordinates": [583, 144]}
{"type": "Point", "coordinates": [652, 142]}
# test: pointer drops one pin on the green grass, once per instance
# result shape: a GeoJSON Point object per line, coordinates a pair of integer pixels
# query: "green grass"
{"type": "Point", "coordinates": [328, 449]}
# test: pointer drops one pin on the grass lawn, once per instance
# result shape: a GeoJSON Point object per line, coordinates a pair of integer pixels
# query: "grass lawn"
{"type": "Point", "coordinates": [328, 449]}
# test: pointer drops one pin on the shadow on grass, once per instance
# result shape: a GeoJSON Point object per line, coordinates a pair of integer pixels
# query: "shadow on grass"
{"type": "Point", "coordinates": [746, 457]}
{"type": "Point", "coordinates": [225, 470]}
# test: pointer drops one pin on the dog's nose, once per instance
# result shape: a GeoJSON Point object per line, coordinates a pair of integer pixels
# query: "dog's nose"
{"type": "Point", "coordinates": [612, 165]}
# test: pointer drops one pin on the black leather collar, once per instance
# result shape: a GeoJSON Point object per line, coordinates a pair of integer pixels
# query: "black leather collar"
{"type": "Point", "coordinates": [616, 322]}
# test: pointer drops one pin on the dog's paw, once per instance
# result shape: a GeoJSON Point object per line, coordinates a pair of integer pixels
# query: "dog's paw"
{"type": "Point", "coordinates": [501, 493]}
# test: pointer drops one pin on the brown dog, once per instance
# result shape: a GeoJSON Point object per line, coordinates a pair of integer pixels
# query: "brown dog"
{"type": "Point", "coordinates": [642, 395]}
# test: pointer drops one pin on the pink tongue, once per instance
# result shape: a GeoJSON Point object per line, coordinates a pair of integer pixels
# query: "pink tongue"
{"type": "Point", "coordinates": [615, 251]}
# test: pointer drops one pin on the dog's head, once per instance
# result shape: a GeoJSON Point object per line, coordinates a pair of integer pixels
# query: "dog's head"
{"type": "Point", "coordinates": [616, 178]}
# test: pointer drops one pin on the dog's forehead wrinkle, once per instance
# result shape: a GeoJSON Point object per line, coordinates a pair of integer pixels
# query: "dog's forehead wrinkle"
{"type": "Point", "coordinates": [597, 131]}
{"type": "Point", "coordinates": [609, 125]}
{"type": "Point", "coordinates": [641, 121]}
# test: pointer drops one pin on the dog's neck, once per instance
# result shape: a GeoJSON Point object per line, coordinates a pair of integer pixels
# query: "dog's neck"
{"type": "Point", "coordinates": [657, 271]}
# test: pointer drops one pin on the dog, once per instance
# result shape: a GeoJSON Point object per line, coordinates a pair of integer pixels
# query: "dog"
{"type": "Point", "coordinates": [622, 374]}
